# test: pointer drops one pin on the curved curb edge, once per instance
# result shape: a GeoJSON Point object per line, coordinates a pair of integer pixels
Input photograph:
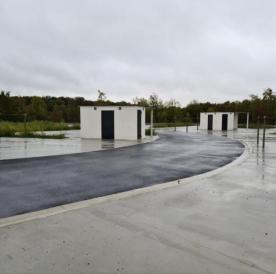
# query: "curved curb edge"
{"type": "Point", "coordinates": [13, 220]}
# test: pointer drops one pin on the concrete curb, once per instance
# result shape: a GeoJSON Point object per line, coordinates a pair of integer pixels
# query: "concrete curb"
{"type": "Point", "coordinates": [118, 196]}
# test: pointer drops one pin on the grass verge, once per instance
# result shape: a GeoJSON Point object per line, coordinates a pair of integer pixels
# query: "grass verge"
{"type": "Point", "coordinates": [15, 129]}
{"type": "Point", "coordinates": [147, 132]}
{"type": "Point", "coordinates": [39, 135]}
{"type": "Point", "coordinates": [256, 126]}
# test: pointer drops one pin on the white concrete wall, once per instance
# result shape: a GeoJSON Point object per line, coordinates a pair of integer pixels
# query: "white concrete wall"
{"type": "Point", "coordinates": [217, 120]}
{"type": "Point", "coordinates": [236, 122]}
{"type": "Point", "coordinates": [125, 122]}
{"type": "Point", "coordinates": [90, 123]}
{"type": "Point", "coordinates": [203, 121]}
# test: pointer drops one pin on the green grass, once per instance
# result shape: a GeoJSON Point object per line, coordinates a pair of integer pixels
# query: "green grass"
{"type": "Point", "coordinates": [15, 129]}
{"type": "Point", "coordinates": [147, 132]}
{"type": "Point", "coordinates": [256, 126]}
{"type": "Point", "coordinates": [39, 135]}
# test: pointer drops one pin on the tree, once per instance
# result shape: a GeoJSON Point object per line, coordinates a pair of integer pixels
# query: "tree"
{"type": "Point", "coordinates": [38, 108]}
{"type": "Point", "coordinates": [6, 103]}
{"type": "Point", "coordinates": [66, 109]}
{"type": "Point", "coordinates": [140, 101]}
{"type": "Point", "coordinates": [211, 109]}
{"type": "Point", "coordinates": [57, 114]}
{"type": "Point", "coordinates": [154, 101]}
{"type": "Point", "coordinates": [269, 105]}
{"type": "Point", "coordinates": [101, 96]}
{"type": "Point", "coordinates": [268, 94]}
{"type": "Point", "coordinates": [172, 103]}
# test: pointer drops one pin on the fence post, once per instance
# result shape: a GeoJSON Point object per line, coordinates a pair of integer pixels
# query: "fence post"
{"type": "Point", "coordinates": [258, 129]}
{"type": "Point", "coordinates": [25, 123]}
{"type": "Point", "coordinates": [197, 120]}
{"type": "Point", "coordinates": [151, 122]}
{"type": "Point", "coordinates": [264, 132]}
{"type": "Point", "coordinates": [247, 120]}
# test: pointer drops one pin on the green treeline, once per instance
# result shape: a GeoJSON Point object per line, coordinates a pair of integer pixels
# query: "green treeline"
{"type": "Point", "coordinates": [66, 109]}
{"type": "Point", "coordinates": [55, 109]}
{"type": "Point", "coordinates": [171, 112]}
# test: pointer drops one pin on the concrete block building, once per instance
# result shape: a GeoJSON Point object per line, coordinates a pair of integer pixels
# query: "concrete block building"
{"type": "Point", "coordinates": [218, 120]}
{"type": "Point", "coordinates": [112, 122]}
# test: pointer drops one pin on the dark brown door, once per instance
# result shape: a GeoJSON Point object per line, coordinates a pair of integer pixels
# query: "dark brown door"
{"type": "Point", "coordinates": [224, 125]}
{"type": "Point", "coordinates": [139, 124]}
{"type": "Point", "coordinates": [107, 124]}
{"type": "Point", "coordinates": [210, 122]}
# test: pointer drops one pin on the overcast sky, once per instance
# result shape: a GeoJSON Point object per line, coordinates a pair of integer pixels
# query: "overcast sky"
{"type": "Point", "coordinates": [213, 50]}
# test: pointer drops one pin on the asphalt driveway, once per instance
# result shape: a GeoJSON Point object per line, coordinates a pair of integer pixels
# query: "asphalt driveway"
{"type": "Point", "coordinates": [37, 183]}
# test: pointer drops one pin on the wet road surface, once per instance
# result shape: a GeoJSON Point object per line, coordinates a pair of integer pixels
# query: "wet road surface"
{"type": "Point", "coordinates": [37, 183]}
{"type": "Point", "coordinates": [15, 148]}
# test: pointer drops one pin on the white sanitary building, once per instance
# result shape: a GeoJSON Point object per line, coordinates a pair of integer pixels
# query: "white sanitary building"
{"type": "Point", "coordinates": [112, 122]}
{"type": "Point", "coordinates": [218, 120]}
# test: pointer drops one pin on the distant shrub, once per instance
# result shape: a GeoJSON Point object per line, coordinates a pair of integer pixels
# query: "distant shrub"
{"type": "Point", "coordinates": [11, 129]}
{"type": "Point", "coordinates": [40, 135]}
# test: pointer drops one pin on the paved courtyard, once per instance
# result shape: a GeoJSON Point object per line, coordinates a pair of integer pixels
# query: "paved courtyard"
{"type": "Point", "coordinates": [223, 223]}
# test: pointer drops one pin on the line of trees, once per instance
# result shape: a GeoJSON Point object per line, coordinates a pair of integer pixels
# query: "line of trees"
{"type": "Point", "coordinates": [56, 109]}
{"type": "Point", "coordinates": [66, 109]}
{"type": "Point", "coordinates": [171, 111]}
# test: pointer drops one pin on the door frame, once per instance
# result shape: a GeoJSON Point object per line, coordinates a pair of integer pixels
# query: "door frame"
{"type": "Point", "coordinates": [210, 121]}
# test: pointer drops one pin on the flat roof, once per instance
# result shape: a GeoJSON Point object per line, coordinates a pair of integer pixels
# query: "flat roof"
{"type": "Point", "coordinates": [112, 106]}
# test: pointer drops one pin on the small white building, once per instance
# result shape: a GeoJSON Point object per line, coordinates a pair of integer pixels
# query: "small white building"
{"type": "Point", "coordinates": [218, 120]}
{"type": "Point", "coordinates": [112, 122]}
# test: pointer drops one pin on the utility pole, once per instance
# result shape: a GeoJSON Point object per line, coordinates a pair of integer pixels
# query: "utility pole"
{"type": "Point", "coordinates": [151, 122]}
{"type": "Point", "coordinates": [25, 123]}
{"type": "Point", "coordinates": [187, 121]}
{"type": "Point", "coordinates": [258, 130]}
{"type": "Point", "coordinates": [247, 121]}
{"type": "Point", "coordinates": [174, 118]}
{"type": "Point", "coordinates": [264, 131]}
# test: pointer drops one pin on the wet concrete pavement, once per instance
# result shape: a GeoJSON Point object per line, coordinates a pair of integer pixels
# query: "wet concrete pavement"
{"type": "Point", "coordinates": [14, 148]}
{"type": "Point", "coordinates": [33, 184]}
{"type": "Point", "coordinates": [225, 223]}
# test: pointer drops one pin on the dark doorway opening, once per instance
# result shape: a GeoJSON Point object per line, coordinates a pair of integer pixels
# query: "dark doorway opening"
{"type": "Point", "coordinates": [107, 124]}
{"type": "Point", "coordinates": [210, 122]}
{"type": "Point", "coordinates": [224, 125]}
{"type": "Point", "coordinates": [139, 124]}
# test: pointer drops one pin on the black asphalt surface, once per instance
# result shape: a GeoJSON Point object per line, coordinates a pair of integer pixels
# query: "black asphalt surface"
{"type": "Point", "coordinates": [38, 183]}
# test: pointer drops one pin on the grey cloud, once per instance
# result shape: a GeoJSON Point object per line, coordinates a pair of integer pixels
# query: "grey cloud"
{"type": "Point", "coordinates": [204, 50]}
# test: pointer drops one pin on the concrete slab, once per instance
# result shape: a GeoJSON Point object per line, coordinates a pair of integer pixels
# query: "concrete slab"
{"type": "Point", "coordinates": [225, 223]}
